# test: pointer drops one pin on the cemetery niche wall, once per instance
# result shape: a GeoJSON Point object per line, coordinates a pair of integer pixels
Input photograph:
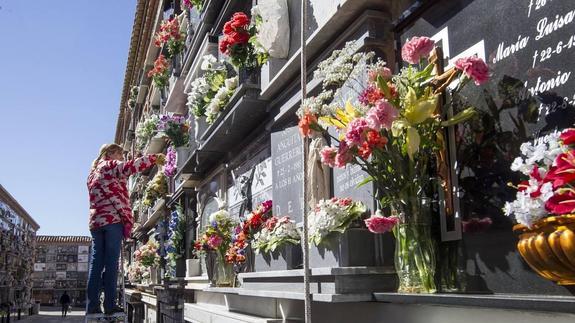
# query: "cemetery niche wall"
{"type": "Point", "coordinates": [528, 46]}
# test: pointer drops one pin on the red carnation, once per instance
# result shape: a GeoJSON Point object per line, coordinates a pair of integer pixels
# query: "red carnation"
{"type": "Point", "coordinates": [224, 45]}
{"type": "Point", "coordinates": [240, 20]}
{"type": "Point", "coordinates": [228, 27]}
{"type": "Point", "coordinates": [240, 37]}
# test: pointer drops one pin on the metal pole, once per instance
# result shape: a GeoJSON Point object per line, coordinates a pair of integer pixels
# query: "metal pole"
{"type": "Point", "coordinates": [305, 240]}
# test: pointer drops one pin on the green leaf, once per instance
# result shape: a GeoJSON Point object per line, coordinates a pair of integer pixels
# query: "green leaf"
{"type": "Point", "coordinates": [460, 117]}
{"type": "Point", "coordinates": [364, 181]}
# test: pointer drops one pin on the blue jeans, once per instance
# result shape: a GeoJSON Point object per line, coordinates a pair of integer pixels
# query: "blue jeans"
{"type": "Point", "coordinates": [106, 245]}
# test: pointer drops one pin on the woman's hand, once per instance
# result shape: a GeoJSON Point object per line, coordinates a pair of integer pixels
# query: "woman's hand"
{"type": "Point", "coordinates": [160, 159]}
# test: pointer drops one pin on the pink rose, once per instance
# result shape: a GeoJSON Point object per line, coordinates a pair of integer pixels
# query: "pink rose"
{"type": "Point", "coordinates": [416, 48]}
{"type": "Point", "coordinates": [381, 115]}
{"type": "Point", "coordinates": [475, 68]}
{"type": "Point", "coordinates": [380, 224]}
{"type": "Point", "coordinates": [328, 156]}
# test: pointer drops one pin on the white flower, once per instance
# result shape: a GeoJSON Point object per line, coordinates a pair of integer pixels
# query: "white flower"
{"type": "Point", "coordinates": [221, 95]}
{"type": "Point", "coordinates": [219, 216]}
{"type": "Point", "coordinates": [208, 62]}
{"type": "Point", "coordinates": [232, 83]}
{"type": "Point", "coordinates": [517, 164]}
{"type": "Point", "coordinates": [546, 191]}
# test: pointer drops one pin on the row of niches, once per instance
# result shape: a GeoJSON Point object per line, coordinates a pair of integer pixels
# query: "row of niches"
{"type": "Point", "coordinates": [79, 266]}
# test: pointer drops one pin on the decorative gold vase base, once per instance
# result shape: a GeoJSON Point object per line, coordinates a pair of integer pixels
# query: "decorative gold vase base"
{"type": "Point", "coordinates": [549, 248]}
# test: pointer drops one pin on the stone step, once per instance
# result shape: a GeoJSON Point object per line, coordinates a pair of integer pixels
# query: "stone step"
{"type": "Point", "coordinates": [207, 313]}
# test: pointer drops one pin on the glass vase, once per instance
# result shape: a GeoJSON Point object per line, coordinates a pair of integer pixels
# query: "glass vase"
{"type": "Point", "coordinates": [414, 247]}
{"type": "Point", "coordinates": [224, 273]}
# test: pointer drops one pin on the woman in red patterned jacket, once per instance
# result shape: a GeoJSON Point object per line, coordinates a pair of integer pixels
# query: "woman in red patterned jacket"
{"type": "Point", "coordinates": [110, 220]}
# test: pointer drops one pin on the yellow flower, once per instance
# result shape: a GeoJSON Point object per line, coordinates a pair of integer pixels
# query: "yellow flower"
{"type": "Point", "coordinates": [342, 116]}
{"type": "Point", "coordinates": [418, 110]}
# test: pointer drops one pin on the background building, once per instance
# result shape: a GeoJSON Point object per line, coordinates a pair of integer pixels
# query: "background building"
{"type": "Point", "coordinates": [17, 240]}
{"type": "Point", "coordinates": [61, 265]}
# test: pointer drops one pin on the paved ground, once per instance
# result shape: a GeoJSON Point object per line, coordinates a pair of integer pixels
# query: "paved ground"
{"type": "Point", "coordinates": [49, 315]}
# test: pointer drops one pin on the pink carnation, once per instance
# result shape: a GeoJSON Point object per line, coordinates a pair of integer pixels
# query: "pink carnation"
{"type": "Point", "coordinates": [328, 156]}
{"type": "Point", "coordinates": [344, 155]}
{"type": "Point", "coordinates": [380, 224]}
{"type": "Point", "coordinates": [416, 48]}
{"type": "Point", "coordinates": [370, 95]}
{"type": "Point", "coordinates": [475, 68]}
{"type": "Point", "coordinates": [271, 223]}
{"type": "Point", "coordinates": [356, 130]}
{"type": "Point", "coordinates": [381, 115]}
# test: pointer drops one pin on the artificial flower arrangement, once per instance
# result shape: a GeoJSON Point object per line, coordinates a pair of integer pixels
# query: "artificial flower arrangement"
{"type": "Point", "coordinates": [171, 36]}
{"type": "Point", "coordinates": [333, 215]}
{"type": "Point", "coordinates": [394, 132]}
{"type": "Point", "coordinates": [137, 272]}
{"type": "Point", "coordinates": [145, 130]}
{"type": "Point", "coordinates": [217, 235]}
{"type": "Point", "coordinates": [156, 189]}
{"type": "Point", "coordinates": [160, 73]}
{"type": "Point", "coordinates": [175, 246]}
{"type": "Point", "coordinates": [244, 232]}
{"type": "Point", "coordinates": [198, 4]}
{"type": "Point", "coordinates": [210, 92]}
{"type": "Point", "coordinates": [240, 42]}
{"type": "Point", "coordinates": [133, 96]}
{"type": "Point", "coordinates": [147, 254]}
{"type": "Point", "coordinates": [549, 164]}
{"type": "Point", "coordinates": [177, 128]}
{"type": "Point", "coordinates": [275, 233]}
{"type": "Point", "coordinates": [170, 167]}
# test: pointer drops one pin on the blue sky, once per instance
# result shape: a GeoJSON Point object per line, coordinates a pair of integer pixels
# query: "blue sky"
{"type": "Point", "coordinates": [62, 67]}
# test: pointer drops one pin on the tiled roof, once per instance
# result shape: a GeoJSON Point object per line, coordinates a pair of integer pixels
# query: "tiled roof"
{"type": "Point", "coordinates": [63, 239]}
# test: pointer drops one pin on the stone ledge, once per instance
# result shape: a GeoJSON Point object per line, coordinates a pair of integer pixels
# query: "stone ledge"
{"type": "Point", "coordinates": [200, 313]}
{"type": "Point", "coordinates": [318, 297]}
{"type": "Point", "coordinates": [563, 304]}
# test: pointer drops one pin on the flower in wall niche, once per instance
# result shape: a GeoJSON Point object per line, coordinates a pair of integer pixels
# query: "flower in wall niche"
{"type": "Point", "coordinates": [378, 223]}
{"type": "Point", "coordinates": [239, 42]}
{"type": "Point", "coordinates": [147, 255]}
{"type": "Point", "coordinates": [333, 215]}
{"type": "Point", "coordinates": [145, 130]}
{"type": "Point", "coordinates": [276, 232]}
{"type": "Point", "coordinates": [160, 73]}
{"type": "Point", "coordinates": [217, 235]}
{"type": "Point", "coordinates": [198, 4]}
{"type": "Point", "coordinates": [549, 164]}
{"type": "Point", "coordinates": [220, 99]}
{"type": "Point", "coordinates": [177, 128]}
{"type": "Point", "coordinates": [171, 36]}
{"type": "Point", "coordinates": [170, 166]}
{"type": "Point", "coordinates": [474, 68]}
{"type": "Point", "coordinates": [416, 48]}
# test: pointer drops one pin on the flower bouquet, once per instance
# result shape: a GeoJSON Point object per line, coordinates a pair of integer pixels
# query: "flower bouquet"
{"type": "Point", "coordinates": [156, 189]}
{"type": "Point", "coordinates": [393, 131]}
{"type": "Point", "coordinates": [275, 233]}
{"type": "Point", "coordinates": [137, 273]}
{"type": "Point", "coordinates": [176, 128]}
{"type": "Point", "coordinates": [170, 167]}
{"type": "Point", "coordinates": [171, 36]}
{"type": "Point", "coordinates": [145, 130]}
{"type": "Point", "coordinates": [333, 215]}
{"type": "Point", "coordinates": [240, 42]}
{"type": "Point", "coordinates": [217, 237]}
{"type": "Point", "coordinates": [545, 205]}
{"type": "Point", "coordinates": [198, 4]}
{"type": "Point", "coordinates": [175, 247]}
{"type": "Point", "coordinates": [211, 92]}
{"type": "Point", "coordinates": [160, 73]}
{"type": "Point", "coordinates": [147, 255]}
{"type": "Point", "coordinates": [256, 220]}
